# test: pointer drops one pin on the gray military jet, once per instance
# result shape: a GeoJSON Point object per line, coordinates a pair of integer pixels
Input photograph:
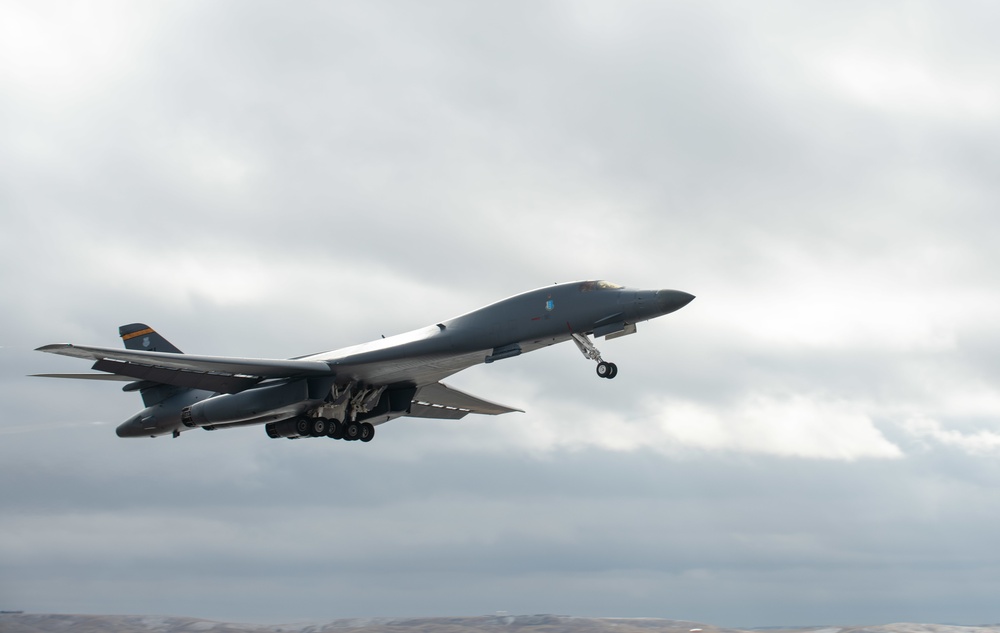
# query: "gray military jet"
{"type": "Point", "coordinates": [345, 393]}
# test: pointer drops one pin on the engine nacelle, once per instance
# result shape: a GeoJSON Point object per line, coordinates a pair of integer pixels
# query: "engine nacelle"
{"type": "Point", "coordinates": [247, 405]}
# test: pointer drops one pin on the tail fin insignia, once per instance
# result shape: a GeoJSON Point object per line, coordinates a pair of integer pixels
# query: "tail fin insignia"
{"type": "Point", "coordinates": [132, 335]}
{"type": "Point", "coordinates": [142, 337]}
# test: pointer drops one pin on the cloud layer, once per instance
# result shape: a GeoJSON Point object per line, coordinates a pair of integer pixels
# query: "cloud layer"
{"type": "Point", "coordinates": [814, 439]}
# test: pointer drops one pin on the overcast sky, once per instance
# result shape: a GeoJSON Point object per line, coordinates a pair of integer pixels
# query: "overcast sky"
{"type": "Point", "coordinates": [815, 439]}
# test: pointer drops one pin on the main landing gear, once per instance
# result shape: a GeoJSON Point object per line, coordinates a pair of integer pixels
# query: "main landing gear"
{"type": "Point", "coordinates": [587, 348]}
{"type": "Point", "coordinates": [337, 417]}
{"type": "Point", "coordinates": [305, 426]}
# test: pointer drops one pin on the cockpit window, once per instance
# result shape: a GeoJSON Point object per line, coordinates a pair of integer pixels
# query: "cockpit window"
{"type": "Point", "coordinates": [589, 286]}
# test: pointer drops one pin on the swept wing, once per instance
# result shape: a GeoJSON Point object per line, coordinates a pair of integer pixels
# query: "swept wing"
{"type": "Point", "coordinates": [213, 373]}
{"type": "Point", "coordinates": [233, 375]}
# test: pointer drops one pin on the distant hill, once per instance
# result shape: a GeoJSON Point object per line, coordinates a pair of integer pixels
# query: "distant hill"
{"type": "Point", "coordinates": [48, 623]}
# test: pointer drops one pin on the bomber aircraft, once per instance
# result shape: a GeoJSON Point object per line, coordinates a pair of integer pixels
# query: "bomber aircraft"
{"type": "Point", "coordinates": [345, 393]}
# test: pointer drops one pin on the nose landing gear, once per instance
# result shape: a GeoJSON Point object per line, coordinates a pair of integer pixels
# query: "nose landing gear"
{"type": "Point", "coordinates": [589, 350]}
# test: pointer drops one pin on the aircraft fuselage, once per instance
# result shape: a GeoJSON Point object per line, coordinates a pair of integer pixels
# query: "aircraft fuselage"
{"type": "Point", "coordinates": [377, 381]}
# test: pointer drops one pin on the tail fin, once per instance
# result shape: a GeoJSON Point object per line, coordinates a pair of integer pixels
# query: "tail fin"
{"type": "Point", "coordinates": [142, 337]}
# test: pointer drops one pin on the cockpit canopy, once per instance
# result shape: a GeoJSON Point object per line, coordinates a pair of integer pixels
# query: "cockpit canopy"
{"type": "Point", "coordinates": [589, 286]}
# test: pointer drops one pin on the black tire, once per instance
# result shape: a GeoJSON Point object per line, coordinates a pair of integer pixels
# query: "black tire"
{"type": "Point", "coordinates": [352, 431]}
{"type": "Point", "coordinates": [614, 371]}
{"type": "Point", "coordinates": [367, 432]}
{"type": "Point", "coordinates": [336, 430]}
{"type": "Point", "coordinates": [303, 426]}
{"type": "Point", "coordinates": [318, 427]}
{"type": "Point", "coordinates": [604, 369]}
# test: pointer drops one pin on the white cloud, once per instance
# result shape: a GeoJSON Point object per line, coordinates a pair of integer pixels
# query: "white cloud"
{"type": "Point", "coordinates": [907, 86]}
{"type": "Point", "coordinates": [841, 297]}
{"type": "Point", "coordinates": [981, 442]}
{"type": "Point", "coordinates": [57, 53]}
{"type": "Point", "coordinates": [807, 426]}
{"type": "Point", "coordinates": [789, 426]}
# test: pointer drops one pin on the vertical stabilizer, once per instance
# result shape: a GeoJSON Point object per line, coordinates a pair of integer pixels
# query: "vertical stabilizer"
{"type": "Point", "coordinates": [142, 337]}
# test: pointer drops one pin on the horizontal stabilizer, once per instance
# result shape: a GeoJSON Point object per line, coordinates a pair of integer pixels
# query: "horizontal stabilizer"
{"type": "Point", "coordinates": [440, 401]}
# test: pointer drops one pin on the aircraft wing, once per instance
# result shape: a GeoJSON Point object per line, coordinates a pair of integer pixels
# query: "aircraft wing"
{"type": "Point", "coordinates": [232, 375]}
{"type": "Point", "coordinates": [86, 376]}
{"type": "Point", "coordinates": [440, 401]}
{"type": "Point", "coordinates": [214, 373]}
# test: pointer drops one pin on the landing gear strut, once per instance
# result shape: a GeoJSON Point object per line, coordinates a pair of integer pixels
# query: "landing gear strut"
{"type": "Point", "coordinates": [588, 349]}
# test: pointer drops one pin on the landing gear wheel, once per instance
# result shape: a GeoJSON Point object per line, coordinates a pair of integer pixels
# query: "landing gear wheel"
{"type": "Point", "coordinates": [367, 432]}
{"type": "Point", "coordinates": [614, 371]}
{"type": "Point", "coordinates": [605, 370]}
{"type": "Point", "coordinates": [352, 431]}
{"type": "Point", "coordinates": [336, 430]}
{"type": "Point", "coordinates": [318, 427]}
{"type": "Point", "coordinates": [303, 425]}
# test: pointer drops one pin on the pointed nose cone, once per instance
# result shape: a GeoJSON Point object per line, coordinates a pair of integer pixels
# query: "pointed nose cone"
{"type": "Point", "coordinates": [132, 427]}
{"type": "Point", "coordinates": [673, 300]}
{"type": "Point", "coordinates": [126, 430]}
